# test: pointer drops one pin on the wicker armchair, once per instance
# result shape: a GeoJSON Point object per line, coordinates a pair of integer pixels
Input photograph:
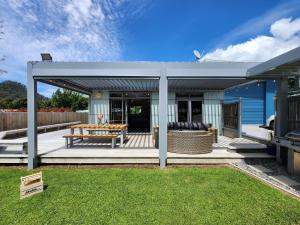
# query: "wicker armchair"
{"type": "Point", "coordinates": [211, 130]}
{"type": "Point", "coordinates": [190, 142]}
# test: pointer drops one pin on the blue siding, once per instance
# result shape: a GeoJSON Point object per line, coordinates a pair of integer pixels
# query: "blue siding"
{"type": "Point", "coordinates": [253, 101]}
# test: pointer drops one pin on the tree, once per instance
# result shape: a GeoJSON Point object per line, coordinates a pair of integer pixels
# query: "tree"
{"type": "Point", "coordinates": [69, 99]}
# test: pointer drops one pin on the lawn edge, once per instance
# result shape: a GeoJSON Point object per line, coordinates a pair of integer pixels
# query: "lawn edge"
{"type": "Point", "coordinates": [270, 184]}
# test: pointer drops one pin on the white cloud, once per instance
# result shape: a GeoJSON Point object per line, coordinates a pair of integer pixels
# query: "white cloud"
{"type": "Point", "coordinates": [82, 30]}
{"type": "Point", "coordinates": [284, 37]}
{"type": "Point", "coordinates": [258, 24]}
{"type": "Point", "coordinates": [285, 28]}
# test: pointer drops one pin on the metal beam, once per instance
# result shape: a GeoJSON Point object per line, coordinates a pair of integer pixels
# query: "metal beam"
{"type": "Point", "coordinates": [274, 64]}
{"type": "Point", "coordinates": [163, 119]}
{"type": "Point", "coordinates": [32, 117]}
{"type": "Point", "coordinates": [66, 86]}
{"type": "Point", "coordinates": [141, 69]}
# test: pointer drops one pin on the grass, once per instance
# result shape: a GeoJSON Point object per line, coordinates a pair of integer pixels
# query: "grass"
{"type": "Point", "coordinates": [145, 196]}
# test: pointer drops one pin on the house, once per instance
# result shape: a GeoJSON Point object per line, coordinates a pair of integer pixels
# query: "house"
{"type": "Point", "coordinates": [141, 94]}
{"type": "Point", "coordinates": [258, 99]}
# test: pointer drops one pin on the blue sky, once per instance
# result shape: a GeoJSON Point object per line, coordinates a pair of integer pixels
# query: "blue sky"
{"type": "Point", "coordinates": [155, 30]}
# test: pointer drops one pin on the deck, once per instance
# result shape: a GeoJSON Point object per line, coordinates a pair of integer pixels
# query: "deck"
{"type": "Point", "coordinates": [139, 148]}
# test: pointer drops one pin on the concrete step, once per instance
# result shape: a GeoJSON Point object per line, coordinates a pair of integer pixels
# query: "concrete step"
{"type": "Point", "coordinates": [247, 147]}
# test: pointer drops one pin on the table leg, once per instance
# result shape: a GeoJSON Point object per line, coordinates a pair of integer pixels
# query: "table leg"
{"type": "Point", "coordinates": [71, 142]}
{"type": "Point", "coordinates": [81, 132]}
{"type": "Point", "coordinates": [122, 138]}
{"type": "Point", "coordinates": [113, 142]}
{"type": "Point", "coordinates": [67, 144]}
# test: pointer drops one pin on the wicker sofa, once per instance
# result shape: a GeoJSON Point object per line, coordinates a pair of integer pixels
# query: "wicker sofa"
{"type": "Point", "coordinates": [189, 138]}
{"type": "Point", "coordinates": [190, 142]}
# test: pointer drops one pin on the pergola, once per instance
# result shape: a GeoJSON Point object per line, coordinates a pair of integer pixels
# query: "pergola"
{"type": "Point", "coordinates": [280, 68]}
{"type": "Point", "coordinates": [85, 77]}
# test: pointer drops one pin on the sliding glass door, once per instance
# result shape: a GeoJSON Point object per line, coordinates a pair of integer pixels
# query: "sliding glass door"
{"type": "Point", "coordinates": [196, 111]}
{"type": "Point", "coordinates": [183, 115]}
{"type": "Point", "coordinates": [189, 111]}
{"type": "Point", "coordinates": [117, 111]}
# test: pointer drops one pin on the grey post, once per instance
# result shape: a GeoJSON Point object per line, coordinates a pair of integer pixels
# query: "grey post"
{"type": "Point", "coordinates": [32, 117]}
{"type": "Point", "coordinates": [240, 118]}
{"type": "Point", "coordinates": [281, 112]}
{"type": "Point", "coordinates": [163, 119]}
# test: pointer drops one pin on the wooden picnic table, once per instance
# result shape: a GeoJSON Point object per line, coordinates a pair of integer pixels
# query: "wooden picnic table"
{"type": "Point", "coordinates": [118, 128]}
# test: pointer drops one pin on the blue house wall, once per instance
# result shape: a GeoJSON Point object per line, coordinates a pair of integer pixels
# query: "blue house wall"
{"type": "Point", "coordinates": [257, 100]}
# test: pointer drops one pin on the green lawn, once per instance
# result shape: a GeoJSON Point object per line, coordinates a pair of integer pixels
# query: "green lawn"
{"type": "Point", "coordinates": [145, 196]}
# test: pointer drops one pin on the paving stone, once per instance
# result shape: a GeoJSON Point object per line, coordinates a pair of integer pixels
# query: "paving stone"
{"type": "Point", "coordinates": [261, 168]}
{"type": "Point", "coordinates": [286, 180]}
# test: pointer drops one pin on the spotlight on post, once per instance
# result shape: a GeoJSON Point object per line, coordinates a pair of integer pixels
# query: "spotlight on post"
{"type": "Point", "coordinates": [46, 57]}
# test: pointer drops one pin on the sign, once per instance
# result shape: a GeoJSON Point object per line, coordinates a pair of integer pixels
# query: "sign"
{"type": "Point", "coordinates": [31, 185]}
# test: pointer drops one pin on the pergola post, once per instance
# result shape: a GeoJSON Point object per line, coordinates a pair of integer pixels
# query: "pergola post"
{"type": "Point", "coordinates": [32, 117]}
{"type": "Point", "coordinates": [281, 120]}
{"type": "Point", "coordinates": [240, 113]}
{"type": "Point", "coordinates": [163, 119]}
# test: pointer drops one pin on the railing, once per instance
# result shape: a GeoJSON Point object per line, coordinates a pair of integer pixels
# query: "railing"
{"type": "Point", "coordinates": [294, 113]}
{"type": "Point", "coordinates": [18, 120]}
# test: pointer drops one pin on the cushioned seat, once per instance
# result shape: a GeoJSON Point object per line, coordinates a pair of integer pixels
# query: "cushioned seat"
{"type": "Point", "coordinates": [188, 126]}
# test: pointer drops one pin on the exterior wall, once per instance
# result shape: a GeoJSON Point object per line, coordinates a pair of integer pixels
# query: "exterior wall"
{"type": "Point", "coordinates": [212, 108]}
{"type": "Point", "coordinates": [257, 100]}
{"type": "Point", "coordinates": [155, 108]}
{"type": "Point", "coordinates": [99, 103]}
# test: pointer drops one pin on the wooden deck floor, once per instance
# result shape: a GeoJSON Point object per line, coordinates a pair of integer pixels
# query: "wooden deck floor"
{"type": "Point", "coordinates": [139, 148]}
{"type": "Point", "coordinates": [140, 140]}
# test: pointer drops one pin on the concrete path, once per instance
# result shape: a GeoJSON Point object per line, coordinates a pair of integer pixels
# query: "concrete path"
{"type": "Point", "coordinates": [253, 130]}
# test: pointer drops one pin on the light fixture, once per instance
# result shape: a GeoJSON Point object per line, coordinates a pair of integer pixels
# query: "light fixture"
{"type": "Point", "coordinates": [46, 57]}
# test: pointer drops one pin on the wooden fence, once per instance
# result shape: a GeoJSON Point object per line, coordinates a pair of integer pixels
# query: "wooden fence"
{"type": "Point", "coordinates": [18, 120]}
{"type": "Point", "coordinates": [294, 113]}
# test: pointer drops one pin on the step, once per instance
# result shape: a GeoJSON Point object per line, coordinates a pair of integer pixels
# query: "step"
{"type": "Point", "coordinates": [247, 147]}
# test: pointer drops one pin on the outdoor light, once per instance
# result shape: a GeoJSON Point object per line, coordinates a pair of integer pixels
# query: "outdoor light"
{"type": "Point", "coordinates": [46, 57]}
{"type": "Point", "coordinates": [98, 95]}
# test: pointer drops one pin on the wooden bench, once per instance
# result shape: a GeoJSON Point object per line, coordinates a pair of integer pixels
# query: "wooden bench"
{"type": "Point", "coordinates": [71, 137]}
{"type": "Point", "coordinates": [6, 143]}
{"type": "Point", "coordinates": [40, 129]}
{"type": "Point", "coordinates": [120, 132]}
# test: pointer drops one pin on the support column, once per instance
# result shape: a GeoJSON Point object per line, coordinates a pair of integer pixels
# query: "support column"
{"type": "Point", "coordinates": [32, 117]}
{"type": "Point", "coordinates": [281, 122]}
{"type": "Point", "coordinates": [163, 119]}
{"type": "Point", "coordinates": [240, 118]}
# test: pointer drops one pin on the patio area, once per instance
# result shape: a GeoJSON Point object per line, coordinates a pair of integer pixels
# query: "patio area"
{"type": "Point", "coordinates": [145, 96]}
{"type": "Point", "coordinates": [138, 149]}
